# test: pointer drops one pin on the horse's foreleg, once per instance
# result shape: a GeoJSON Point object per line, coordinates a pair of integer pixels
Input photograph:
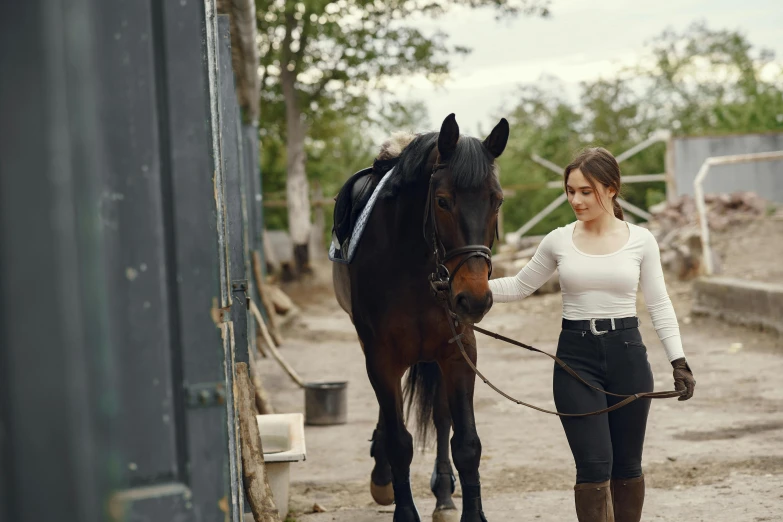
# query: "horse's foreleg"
{"type": "Point", "coordinates": [442, 482]}
{"type": "Point", "coordinates": [399, 443]}
{"type": "Point", "coordinates": [465, 445]}
{"type": "Point", "coordinates": [381, 478]}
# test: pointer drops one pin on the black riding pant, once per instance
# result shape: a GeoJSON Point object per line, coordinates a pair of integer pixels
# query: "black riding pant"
{"type": "Point", "coordinates": [607, 445]}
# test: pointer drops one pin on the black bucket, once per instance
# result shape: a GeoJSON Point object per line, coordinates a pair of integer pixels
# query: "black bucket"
{"type": "Point", "coordinates": [326, 403]}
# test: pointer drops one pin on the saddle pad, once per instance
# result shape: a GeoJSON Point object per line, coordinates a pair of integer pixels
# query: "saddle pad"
{"type": "Point", "coordinates": [338, 254]}
{"type": "Point", "coordinates": [346, 209]}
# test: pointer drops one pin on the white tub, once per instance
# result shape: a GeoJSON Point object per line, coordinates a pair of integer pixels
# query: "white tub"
{"type": "Point", "coordinates": [283, 442]}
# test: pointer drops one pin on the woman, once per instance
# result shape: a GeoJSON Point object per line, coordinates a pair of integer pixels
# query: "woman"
{"type": "Point", "coordinates": [601, 260]}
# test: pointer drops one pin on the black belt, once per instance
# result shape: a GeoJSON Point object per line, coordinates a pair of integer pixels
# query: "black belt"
{"type": "Point", "coordinates": [602, 326]}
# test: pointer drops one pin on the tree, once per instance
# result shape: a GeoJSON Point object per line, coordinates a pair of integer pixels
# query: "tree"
{"type": "Point", "coordinates": [713, 81]}
{"type": "Point", "coordinates": [321, 55]}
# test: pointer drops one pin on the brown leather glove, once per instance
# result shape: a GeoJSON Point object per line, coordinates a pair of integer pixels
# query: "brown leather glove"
{"type": "Point", "coordinates": [683, 378]}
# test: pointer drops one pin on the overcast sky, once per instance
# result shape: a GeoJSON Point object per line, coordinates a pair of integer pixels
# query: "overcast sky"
{"type": "Point", "coordinates": [581, 40]}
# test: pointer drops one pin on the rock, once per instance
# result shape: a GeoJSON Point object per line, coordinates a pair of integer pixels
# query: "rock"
{"type": "Point", "coordinates": [665, 241]}
{"type": "Point", "coordinates": [718, 221]}
{"type": "Point", "coordinates": [754, 203]}
{"type": "Point", "coordinates": [688, 207]}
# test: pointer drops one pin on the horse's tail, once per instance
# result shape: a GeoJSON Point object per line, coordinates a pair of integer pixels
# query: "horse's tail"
{"type": "Point", "coordinates": [422, 388]}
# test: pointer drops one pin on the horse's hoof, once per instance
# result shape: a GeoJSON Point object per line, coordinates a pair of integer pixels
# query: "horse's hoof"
{"type": "Point", "coordinates": [445, 515]}
{"type": "Point", "coordinates": [383, 495]}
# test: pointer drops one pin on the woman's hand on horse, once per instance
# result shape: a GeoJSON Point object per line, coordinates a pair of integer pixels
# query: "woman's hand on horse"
{"type": "Point", "coordinates": [683, 378]}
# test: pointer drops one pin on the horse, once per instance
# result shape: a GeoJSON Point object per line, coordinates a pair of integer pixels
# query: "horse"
{"type": "Point", "coordinates": [435, 219]}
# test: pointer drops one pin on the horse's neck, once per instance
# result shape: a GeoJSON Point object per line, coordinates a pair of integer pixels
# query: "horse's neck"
{"type": "Point", "coordinates": [408, 222]}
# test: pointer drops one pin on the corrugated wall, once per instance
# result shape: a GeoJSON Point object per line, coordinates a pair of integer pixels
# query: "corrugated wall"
{"type": "Point", "coordinates": [764, 178]}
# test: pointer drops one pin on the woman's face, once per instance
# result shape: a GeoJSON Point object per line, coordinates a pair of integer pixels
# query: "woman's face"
{"type": "Point", "coordinates": [587, 203]}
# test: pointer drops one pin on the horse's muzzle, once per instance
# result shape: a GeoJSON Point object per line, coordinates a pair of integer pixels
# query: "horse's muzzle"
{"type": "Point", "coordinates": [471, 308]}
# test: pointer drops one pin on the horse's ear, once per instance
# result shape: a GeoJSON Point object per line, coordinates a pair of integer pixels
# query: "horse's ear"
{"type": "Point", "coordinates": [498, 138]}
{"type": "Point", "coordinates": [447, 139]}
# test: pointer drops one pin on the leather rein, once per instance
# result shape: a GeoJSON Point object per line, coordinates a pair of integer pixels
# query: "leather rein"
{"type": "Point", "coordinates": [441, 278]}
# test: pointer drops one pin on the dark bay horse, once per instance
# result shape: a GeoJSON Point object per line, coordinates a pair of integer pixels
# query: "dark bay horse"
{"type": "Point", "coordinates": [438, 207]}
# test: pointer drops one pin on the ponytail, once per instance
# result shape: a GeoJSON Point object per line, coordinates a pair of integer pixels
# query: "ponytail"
{"type": "Point", "coordinates": [618, 210]}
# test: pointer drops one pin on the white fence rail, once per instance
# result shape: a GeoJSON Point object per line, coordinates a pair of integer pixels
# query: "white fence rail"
{"type": "Point", "coordinates": [699, 194]}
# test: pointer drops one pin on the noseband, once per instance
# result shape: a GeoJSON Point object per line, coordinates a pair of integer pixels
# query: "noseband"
{"type": "Point", "coordinates": [441, 274]}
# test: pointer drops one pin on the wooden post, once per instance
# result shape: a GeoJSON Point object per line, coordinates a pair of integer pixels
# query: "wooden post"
{"type": "Point", "coordinates": [274, 328]}
{"type": "Point", "coordinates": [257, 489]}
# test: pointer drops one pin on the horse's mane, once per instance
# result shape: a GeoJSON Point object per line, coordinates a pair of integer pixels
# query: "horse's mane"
{"type": "Point", "coordinates": [408, 153]}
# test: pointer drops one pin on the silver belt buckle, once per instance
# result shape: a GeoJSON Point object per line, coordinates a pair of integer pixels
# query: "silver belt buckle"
{"type": "Point", "coordinates": [595, 331]}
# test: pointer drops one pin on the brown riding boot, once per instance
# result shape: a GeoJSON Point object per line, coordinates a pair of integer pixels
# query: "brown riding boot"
{"type": "Point", "coordinates": [628, 499]}
{"type": "Point", "coordinates": [594, 502]}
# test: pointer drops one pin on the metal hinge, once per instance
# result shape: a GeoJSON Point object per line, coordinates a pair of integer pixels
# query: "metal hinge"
{"type": "Point", "coordinates": [240, 286]}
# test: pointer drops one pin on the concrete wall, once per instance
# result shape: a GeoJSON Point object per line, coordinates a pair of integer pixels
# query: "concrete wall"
{"type": "Point", "coordinates": [765, 177]}
{"type": "Point", "coordinates": [737, 301]}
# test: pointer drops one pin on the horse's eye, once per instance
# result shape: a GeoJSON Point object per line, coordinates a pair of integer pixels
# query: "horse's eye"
{"type": "Point", "coordinates": [499, 205]}
{"type": "Point", "coordinates": [443, 203]}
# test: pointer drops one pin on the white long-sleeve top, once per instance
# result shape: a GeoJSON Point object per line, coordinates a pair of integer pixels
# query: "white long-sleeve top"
{"type": "Point", "coordinates": [600, 286]}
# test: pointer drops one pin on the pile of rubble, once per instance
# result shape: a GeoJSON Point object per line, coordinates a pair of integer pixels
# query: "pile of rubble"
{"type": "Point", "coordinates": [675, 225]}
{"type": "Point", "coordinates": [723, 210]}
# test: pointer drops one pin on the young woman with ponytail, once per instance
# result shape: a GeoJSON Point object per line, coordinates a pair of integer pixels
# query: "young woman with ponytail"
{"type": "Point", "coordinates": [602, 260]}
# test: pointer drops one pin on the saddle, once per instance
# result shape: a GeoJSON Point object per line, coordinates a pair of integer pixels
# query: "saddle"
{"type": "Point", "coordinates": [351, 199]}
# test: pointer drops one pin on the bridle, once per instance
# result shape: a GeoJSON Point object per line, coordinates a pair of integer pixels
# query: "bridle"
{"type": "Point", "coordinates": [440, 284]}
{"type": "Point", "coordinates": [441, 273]}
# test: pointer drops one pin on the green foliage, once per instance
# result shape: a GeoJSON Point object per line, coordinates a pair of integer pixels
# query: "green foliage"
{"type": "Point", "coordinates": [700, 82]}
{"type": "Point", "coordinates": [706, 81]}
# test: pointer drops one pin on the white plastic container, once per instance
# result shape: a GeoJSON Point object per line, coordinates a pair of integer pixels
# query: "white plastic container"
{"type": "Point", "coordinates": [283, 442]}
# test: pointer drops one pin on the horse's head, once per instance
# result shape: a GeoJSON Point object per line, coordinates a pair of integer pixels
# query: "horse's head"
{"type": "Point", "coordinates": [464, 199]}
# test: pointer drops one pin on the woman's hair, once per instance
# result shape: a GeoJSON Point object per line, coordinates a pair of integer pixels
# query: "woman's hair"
{"type": "Point", "coordinates": [598, 164]}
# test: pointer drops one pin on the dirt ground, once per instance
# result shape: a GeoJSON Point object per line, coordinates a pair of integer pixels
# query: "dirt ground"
{"type": "Point", "coordinates": [716, 458]}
